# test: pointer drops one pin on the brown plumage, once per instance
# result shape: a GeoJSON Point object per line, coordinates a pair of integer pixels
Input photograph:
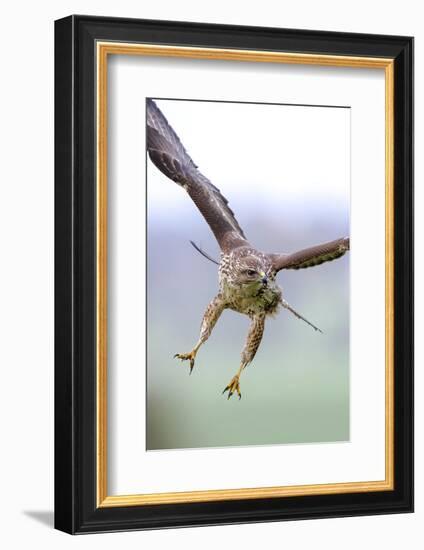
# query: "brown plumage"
{"type": "Point", "coordinates": [168, 154]}
{"type": "Point", "coordinates": [310, 257]}
{"type": "Point", "coordinates": [246, 275]}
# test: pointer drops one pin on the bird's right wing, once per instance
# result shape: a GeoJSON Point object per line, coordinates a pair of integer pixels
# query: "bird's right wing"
{"type": "Point", "coordinates": [169, 155]}
{"type": "Point", "coordinates": [310, 257]}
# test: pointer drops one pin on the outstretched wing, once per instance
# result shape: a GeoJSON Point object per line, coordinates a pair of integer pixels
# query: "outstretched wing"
{"type": "Point", "coordinates": [310, 257]}
{"type": "Point", "coordinates": [169, 155]}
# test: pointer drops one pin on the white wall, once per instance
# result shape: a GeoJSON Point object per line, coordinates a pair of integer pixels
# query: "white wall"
{"type": "Point", "coordinates": [26, 274]}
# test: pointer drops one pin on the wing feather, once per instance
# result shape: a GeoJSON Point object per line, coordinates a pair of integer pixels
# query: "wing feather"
{"type": "Point", "coordinates": [310, 257]}
{"type": "Point", "coordinates": [169, 155]}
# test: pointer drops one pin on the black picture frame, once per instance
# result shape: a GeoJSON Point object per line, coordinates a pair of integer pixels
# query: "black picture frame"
{"type": "Point", "coordinates": [76, 509]}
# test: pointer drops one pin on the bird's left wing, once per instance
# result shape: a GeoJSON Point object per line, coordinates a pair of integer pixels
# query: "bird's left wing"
{"type": "Point", "coordinates": [310, 257]}
{"type": "Point", "coordinates": [169, 155]}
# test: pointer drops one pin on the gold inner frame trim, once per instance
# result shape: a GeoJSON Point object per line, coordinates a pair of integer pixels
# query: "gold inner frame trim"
{"type": "Point", "coordinates": [103, 50]}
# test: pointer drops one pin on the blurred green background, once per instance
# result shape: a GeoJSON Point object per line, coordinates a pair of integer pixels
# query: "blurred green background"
{"type": "Point", "coordinates": [297, 388]}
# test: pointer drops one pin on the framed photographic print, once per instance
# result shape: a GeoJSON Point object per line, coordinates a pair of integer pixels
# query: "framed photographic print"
{"type": "Point", "coordinates": [234, 274]}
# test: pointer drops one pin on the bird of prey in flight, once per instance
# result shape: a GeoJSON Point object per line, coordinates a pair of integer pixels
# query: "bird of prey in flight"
{"type": "Point", "coordinates": [247, 276]}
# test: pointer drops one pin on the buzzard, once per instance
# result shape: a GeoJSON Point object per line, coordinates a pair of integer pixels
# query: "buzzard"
{"type": "Point", "coordinates": [247, 276]}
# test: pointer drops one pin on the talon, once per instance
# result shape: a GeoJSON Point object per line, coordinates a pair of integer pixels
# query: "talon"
{"type": "Point", "coordinates": [187, 357]}
{"type": "Point", "coordinates": [233, 387]}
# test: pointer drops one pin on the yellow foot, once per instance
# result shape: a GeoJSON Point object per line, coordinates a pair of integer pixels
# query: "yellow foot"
{"type": "Point", "coordinates": [233, 387]}
{"type": "Point", "coordinates": [187, 357]}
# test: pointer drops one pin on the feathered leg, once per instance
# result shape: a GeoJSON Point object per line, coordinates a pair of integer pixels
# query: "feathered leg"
{"type": "Point", "coordinates": [210, 317]}
{"type": "Point", "coordinates": [254, 337]}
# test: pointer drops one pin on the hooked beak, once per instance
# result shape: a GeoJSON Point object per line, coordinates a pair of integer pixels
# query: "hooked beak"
{"type": "Point", "coordinates": [264, 279]}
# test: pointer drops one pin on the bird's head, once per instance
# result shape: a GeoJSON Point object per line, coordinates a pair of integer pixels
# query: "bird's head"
{"type": "Point", "coordinates": [253, 272]}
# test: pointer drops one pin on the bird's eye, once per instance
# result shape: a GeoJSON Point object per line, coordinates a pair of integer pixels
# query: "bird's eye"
{"type": "Point", "coordinates": [250, 272]}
